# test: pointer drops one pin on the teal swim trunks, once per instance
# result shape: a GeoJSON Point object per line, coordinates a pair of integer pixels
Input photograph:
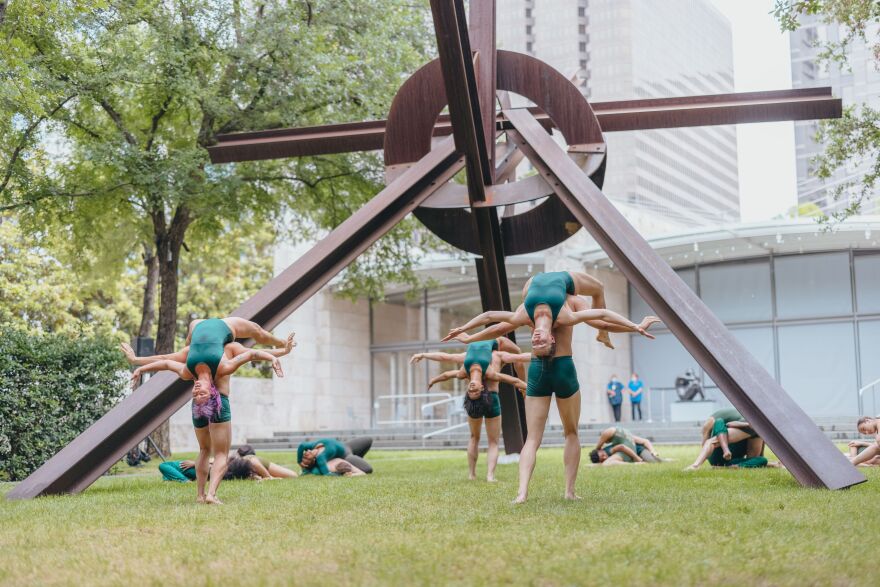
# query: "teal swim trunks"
{"type": "Point", "coordinates": [496, 405]}
{"type": "Point", "coordinates": [548, 376]}
{"type": "Point", "coordinates": [225, 414]}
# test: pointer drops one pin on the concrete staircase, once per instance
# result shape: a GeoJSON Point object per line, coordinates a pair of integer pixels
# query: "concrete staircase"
{"type": "Point", "coordinates": [836, 429]}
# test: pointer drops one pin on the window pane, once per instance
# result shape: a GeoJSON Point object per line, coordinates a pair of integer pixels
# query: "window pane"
{"type": "Point", "coordinates": [397, 320]}
{"type": "Point", "coordinates": [868, 283]}
{"type": "Point", "coordinates": [818, 368]}
{"type": "Point", "coordinates": [758, 342]}
{"type": "Point", "coordinates": [638, 308]}
{"type": "Point", "coordinates": [813, 285]}
{"type": "Point", "coordinates": [869, 349]}
{"type": "Point", "coordinates": [737, 292]}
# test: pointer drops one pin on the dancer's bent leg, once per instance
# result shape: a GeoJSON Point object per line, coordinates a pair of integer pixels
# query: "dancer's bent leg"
{"type": "Point", "coordinates": [360, 463]}
{"type": "Point", "coordinates": [360, 446]}
{"type": "Point", "coordinates": [493, 434]}
{"type": "Point", "coordinates": [242, 328]}
{"type": "Point", "coordinates": [570, 414]}
{"type": "Point", "coordinates": [537, 409]}
{"type": "Point", "coordinates": [221, 438]}
{"type": "Point", "coordinates": [473, 450]}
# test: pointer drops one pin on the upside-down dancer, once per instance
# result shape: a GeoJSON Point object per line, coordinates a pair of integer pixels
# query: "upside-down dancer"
{"type": "Point", "coordinates": [619, 446]}
{"type": "Point", "coordinates": [482, 357]}
{"type": "Point", "coordinates": [211, 414]}
{"type": "Point", "coordinates": [544, 308]}
{"type": "Point", "coordinates": [487, 356]}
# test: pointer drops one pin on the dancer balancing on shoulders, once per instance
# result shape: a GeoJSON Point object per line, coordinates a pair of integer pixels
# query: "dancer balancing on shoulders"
{"type": "Point", "coordinates": [207, 342]}
{"type": "Point", "coordinates": [211, 414]}
{"type": "Point", "coordinates": [482, 403]}
{"type": "Point", "coordinates": [544, 308]}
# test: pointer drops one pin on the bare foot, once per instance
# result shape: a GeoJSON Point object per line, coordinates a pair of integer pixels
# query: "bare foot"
{"type": "Point", "coordinates": [727, 456]}
{"type": "Point", "coordinates": [572, 496]}
{"type": "Point", "coordinates": [212, 500]}
{"type": "Point", "coordinates": [604, 338]}
{"type": "Point", "coordinates": [472, 477]}
{"type": "Point", "coordinates": [276, 366]}
{"type": "Point", "coordinates": [491, 479]}
{"type": "Point", "coordinates": [200, 499]}
{"type": "Point", "coordinates": [690, 468]}
{"type": "Point", "coordinates": [519, 499]}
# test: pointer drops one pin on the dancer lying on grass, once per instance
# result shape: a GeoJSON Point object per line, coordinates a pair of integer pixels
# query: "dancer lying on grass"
{"type": "Point", "coordinates": [257, 469]}
{"type": "Point", "coordinates": [544, 308]}
{"type": "Point", "coordinates": [869, 455]}
{"type": "Point", "coordinates": [482, 357]}
{"type": "Point", "coordinates": [211, 414]}
{"type": "Point", "coordinates": [208, 349]}
{"type": "Point", "coordinates": [718, 423]}
{"type": "Point", "coordinates": [746, 450]}
{"type": "Point", "coordinates": [619, 446]}
{"type": "Point", "coordinates": [319, 457]}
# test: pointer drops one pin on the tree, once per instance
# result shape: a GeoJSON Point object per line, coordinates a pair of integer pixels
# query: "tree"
{"type": "Point", "coordinates": [855, 137]}
{"type": "Point", "coordinates": [107, 107]}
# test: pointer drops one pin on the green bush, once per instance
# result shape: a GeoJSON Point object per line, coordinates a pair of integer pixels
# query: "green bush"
{"type": "Point", "coordinates": [52, 387]}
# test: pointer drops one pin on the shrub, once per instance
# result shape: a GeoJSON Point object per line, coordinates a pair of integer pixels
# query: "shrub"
{"type": "Point", "coordinates": [52, 387]}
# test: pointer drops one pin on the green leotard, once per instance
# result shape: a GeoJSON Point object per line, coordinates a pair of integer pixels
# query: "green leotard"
{"type": "Point", "coordinates": [624, 437]}
{"type": "Point", "coordinates": [333, 449]}
{"type": "Point", "coordinates": [480, 353]}
{"type": "Point", "coordinates": [722, 418]}
{"type": "Point", "coordinates": [172, 471]}
{"type": "Point", "coordinates": [739, 452]}
{"type": "Point", "coordinates": [548, 376]}
{"type": "Point", "coordinates": [548, 288]}
{"type": "Point", "coordinates": [206, 345]}
{"type": "Point", "coordinates": [495, 411]}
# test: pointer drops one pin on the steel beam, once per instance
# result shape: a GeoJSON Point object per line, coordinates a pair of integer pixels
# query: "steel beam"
{"type": "Point", "coordinates": [482, 38]}
{"type": "Point", "coordinates": [94, 451]}
{"type": "Point", "coordinates": [791, 434]}
{"type": "Point", "coordinates": [748, 107]}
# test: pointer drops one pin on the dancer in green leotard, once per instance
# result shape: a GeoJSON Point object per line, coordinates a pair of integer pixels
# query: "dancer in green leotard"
{"type": "Point", "coordinates": [618, 446]}
{"type": "Point", "coordinates": [543, 309]}
{"type": "Point", "coordinates": [325, 456]}
{"type": "Point", "coordinates": [488, 356]}
{"type": "Point", "coordinates": [745, 447]}
{"type": "Point", "coordinates": [204, 353]}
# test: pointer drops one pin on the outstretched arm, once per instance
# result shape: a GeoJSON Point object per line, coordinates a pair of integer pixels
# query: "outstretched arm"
{"type": "Point", "coordinates": [440, 357]}
{"type": "Point", "coordinates": [447, 375]}
{"type": "Point", "coordinates": [179, 356]}
{"type": "Point", "coordinates": [517, 319]}
{"type": "Point", "coordinates": [493, 331]}
{"type": "Point", "coordinates": [508, 379]}
{"type": "Point", "coordinates": [231, 366]}
{"type": "Point", "coordinates": [163, 365]}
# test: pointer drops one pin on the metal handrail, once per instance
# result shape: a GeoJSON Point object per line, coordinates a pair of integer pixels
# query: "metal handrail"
{"type": "Point", "coordinates": [444, 430]}
{"type": "Point", "coordinates": [408, 397]}
{"type": "Point", "coordinates": [862, 391]}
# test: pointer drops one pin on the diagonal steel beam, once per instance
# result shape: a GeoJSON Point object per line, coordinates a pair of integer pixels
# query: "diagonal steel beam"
{"type": "Point", "coordinates": [482, 39]}
{"type": "Point", "coordinates": [806, 452]}
{"type": "Point", "coordinates": [94, 451]}
{"type": "Point", "coordinates": [748, 107]}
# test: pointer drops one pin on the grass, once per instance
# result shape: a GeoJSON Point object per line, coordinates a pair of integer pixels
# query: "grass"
{"type": "Point", "coordinates": [418, 521]}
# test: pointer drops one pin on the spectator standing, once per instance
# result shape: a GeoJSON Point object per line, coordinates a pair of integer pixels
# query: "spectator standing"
{"type": "Point", "coordinates": [615, 396]}
{"type": "Point", "coordinates": [635, 395]}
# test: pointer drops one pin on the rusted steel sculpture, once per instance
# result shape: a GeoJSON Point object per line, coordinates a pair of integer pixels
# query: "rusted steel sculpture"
{"type": "Point", "coordinates": [418, 169]}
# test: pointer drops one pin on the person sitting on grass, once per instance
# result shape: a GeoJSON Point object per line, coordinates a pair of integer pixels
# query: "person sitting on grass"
{"type": "Point", "coordinates": [250, 466]}
{"type": "Point", "coordinates": [745, 447]}
{"type": "Point", "coordinates": [619, 446]}
{"type": "Point", "coordinates": [315, 457]}
{"type": "Point", "coordinates": [869, 427]}
{"type": "Point", "coordinates": [717, 425]}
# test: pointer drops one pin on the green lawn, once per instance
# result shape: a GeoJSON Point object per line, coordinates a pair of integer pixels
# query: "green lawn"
{"type": "Point", "coordinates": [418, 521]}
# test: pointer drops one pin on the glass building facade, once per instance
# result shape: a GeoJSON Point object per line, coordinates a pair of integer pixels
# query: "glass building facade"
{"type": "Point", "coordinates": [812, 320]}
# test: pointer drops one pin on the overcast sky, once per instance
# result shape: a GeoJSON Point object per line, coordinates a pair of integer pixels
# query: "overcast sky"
{"type": "Point", "coordinates": [767, 179]}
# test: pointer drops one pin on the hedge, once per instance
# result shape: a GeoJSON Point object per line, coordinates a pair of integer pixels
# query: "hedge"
{"type": "Point", "coordinates": [52, 387]}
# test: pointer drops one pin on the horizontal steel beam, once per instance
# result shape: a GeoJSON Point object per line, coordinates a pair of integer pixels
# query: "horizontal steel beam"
{"type": "Point", "coordinates": [739, 108]}
{"type": "Point", "coordinates": [94, 451]}
{"type": "Point", "coordinates": [791, 434]}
